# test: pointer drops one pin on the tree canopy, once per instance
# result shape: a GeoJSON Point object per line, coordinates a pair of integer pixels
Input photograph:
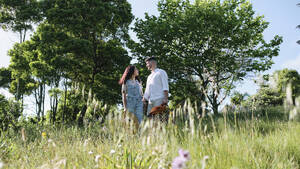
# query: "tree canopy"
{"type": "Point", "coordinates": [81, 41]}
{"type": "Point", "coordinates": [205, 46]}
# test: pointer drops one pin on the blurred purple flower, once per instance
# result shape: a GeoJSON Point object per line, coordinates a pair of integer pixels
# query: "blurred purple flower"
{"type": "Point", "coordinates": [179, 161]}
{"type": "Point", "coordinates": [184, 154]}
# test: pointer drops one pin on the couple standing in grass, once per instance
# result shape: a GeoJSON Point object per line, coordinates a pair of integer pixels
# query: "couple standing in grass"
{"type": "Point", "coordinates": [156, 93]}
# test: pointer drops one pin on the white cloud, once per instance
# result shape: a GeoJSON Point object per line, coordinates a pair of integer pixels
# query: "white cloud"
{"type": "Point", "coordinates": [293, 63]}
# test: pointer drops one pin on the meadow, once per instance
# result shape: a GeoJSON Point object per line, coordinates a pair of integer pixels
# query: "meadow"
{"type": "Point", "coordinates": [224, 141]}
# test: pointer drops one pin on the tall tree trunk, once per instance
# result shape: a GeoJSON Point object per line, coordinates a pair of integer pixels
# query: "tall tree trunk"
{"type": "Point", "coordinates": [51, 110]}
{"type": "Point", "coordinates": [40, 101]}
{"type": "Point", "coordinates": [215, 107]}
{"type": "Point", "coordinates": [39, 98]}
{"type": "Point", "coordinates": [36, 95]}
{"type": "Point", "coordinates": [54, 103]}
{"type": "Point", "coordinates": [65, 100]}
{"type": "Point", "coordinates": [215, 103]}
{"type": "Point", "coordinates": [55, 109]}
{"type": "Point", "coordinates": [43, 100]}
{"type": "Point", "coordinates": [82, 114]}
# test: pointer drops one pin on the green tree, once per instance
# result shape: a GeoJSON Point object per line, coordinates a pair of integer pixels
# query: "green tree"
{"type": "Point", "coordinates": [73, 106]}
{"type": "Point", "coordinates": [77, 42]}
{"type": "Point", "coordinates": [54, 94]}
{"type": "Point", "coordinates": [95, 33]}
{"type": "Point", "coordinates": [207, 45]}
{"type": "Point", "coordinates": [9, 113]}
{"type": "Point", "coordinates": [237, 98]}
{"type": "Point", "coordinates": [282, 78]}
{"type": "Point", "coordinates": [28, 74]}
{"type": "Point", "coordinates": [44, 66]}
{"type": "Point", "coordinates": [19, 16]}
{"type": "Point", "coordinates": [267, 96]}
{"type": "Point", "coordinates": [48, 42]}
{"type": "Point", "coordinates": [273, 89]}
{"type": "Point", "coordinates": [20, 72]}
{"type": "Point", "coordinates": [47, 66]}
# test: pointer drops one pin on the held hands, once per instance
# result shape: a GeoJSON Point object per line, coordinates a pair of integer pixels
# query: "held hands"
{"type": "Point", "coordinates": [144, 100]}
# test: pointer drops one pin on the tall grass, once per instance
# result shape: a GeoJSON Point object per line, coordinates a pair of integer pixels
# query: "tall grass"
{"type": "Point", "coordinates": [231, 141]}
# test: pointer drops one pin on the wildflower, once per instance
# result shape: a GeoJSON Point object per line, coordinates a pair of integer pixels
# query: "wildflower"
{"type": "Point", "coordinates": [112, 151]}
{"type": "Point", "coordinates": [44, 134]}
{"type": "Point", "coordinates": [97, 158]}
{"type": "Point", "coordinates": [179, 162]}
{"type": "Point", "coordinates": [90, 152]}
{"type": "Point", "coordinates": [184, 154]}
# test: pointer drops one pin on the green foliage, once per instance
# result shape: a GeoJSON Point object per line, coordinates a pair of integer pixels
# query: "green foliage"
{"type": "Point", "coordinates": [91, 36]}
{"type": "Point", "coordinates": [9, 113]}
{"type": "Point", "coordinates": [78, 41]}
{"type": "Point", "coordinates": [285, 77]}
{"type": "Point", "coordinates": [205, 46]}
{"type": "Point", "coordinates": [20, 71]}
{"type": "Point", "coordinates": [268, 97]}
{"type": "Point", "coordinates": [29, 72]}
{"type": "Point", "coordinates": [19, 16]}
{"type": "Point", "coordinates": [81, 107]}
{"type": "Point", "coordinates": [273, 91]}
{"type": "Point", "coordinates": [68, 111]}
{"type": "Point", "coordinates": [237, 98]}
{"type": "Point", "coordinates": [5, 77]}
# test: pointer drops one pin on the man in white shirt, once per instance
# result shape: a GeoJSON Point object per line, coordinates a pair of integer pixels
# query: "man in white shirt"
{"type": "Point", "coordinates": [157, 87]}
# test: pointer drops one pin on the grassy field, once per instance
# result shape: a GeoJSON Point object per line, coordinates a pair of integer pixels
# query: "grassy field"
{"type": "Point", "coordinates": [234, 141]}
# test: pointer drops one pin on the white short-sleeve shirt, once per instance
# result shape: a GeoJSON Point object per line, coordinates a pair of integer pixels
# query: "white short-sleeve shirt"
{"type": "Point", "coordinates": [157, 83]}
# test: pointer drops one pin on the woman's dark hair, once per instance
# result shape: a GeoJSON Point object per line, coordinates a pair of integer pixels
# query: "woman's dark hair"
{"type": "Point", "coordinates": [129, 71]}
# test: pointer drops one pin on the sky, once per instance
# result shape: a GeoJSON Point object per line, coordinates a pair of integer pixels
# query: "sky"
{"type": "Point", "coordinates": [281, 14]}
